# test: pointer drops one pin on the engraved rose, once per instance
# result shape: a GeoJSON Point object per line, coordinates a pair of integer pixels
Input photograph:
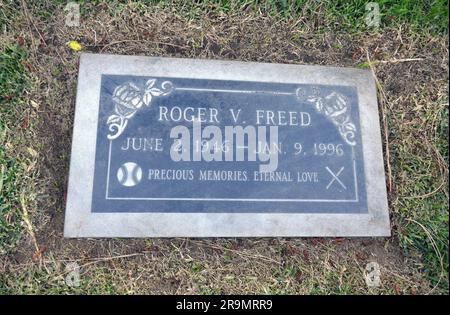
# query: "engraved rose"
{"type": "Point", "coordinates": [335, 107]}
{"type": "Point", "coordinates": [128, 98]}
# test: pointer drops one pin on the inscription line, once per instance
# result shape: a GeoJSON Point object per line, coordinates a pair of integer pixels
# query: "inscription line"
{"type": "Point", "coordinates": [234, 199]}
{"type": "Point", "coordinates": [235, 91]}
{"type": "Point", "coordinates": [109, 167]}
{"type": "Point", "coordinates": [354, 175]}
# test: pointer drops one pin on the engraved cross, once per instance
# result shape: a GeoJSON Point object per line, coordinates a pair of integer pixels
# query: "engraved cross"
{"type": "Point", "coordinates": [335, 177]}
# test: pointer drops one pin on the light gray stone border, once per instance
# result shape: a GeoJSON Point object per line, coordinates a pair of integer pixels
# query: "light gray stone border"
{"type": "Point", "coordinates": [80, 222]}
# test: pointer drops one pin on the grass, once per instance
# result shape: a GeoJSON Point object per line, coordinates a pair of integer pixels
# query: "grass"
{"type": "Point", "coordinates": [423, 202]}
{"type": "Point", "coordinates": [10, 219]}
{"type": "Point", "coordinates": [342, 14]}
{"type": "Point", "coordinates": [37, 91]}
{"type": "Point", "coordinates": [51, 280]}
{"type": "Point", "coordinates": [13, 76]}
{"type": "Point", "coordinates": [13, 79]}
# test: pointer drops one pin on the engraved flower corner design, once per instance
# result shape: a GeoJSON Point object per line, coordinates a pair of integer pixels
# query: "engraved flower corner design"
{"type": "Point", "coordinates": [128, 98]}
{"type": "Point", "coordinates": [336, 108]}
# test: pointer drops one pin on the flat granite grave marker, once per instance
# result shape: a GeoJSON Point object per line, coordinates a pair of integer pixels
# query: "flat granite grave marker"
{"type": "Point", "coordinates": [167, 147]}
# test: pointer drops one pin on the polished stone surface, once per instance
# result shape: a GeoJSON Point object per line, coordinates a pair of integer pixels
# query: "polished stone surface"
{"type": "Point", "coordinates": [177, 147]}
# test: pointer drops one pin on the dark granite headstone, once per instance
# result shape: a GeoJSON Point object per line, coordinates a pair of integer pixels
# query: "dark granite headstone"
{"type": "Point", "coordinates": [174, 147]}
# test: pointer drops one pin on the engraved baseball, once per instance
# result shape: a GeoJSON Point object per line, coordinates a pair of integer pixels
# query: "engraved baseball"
{"type": "Point", "coordinates": [129, 174]}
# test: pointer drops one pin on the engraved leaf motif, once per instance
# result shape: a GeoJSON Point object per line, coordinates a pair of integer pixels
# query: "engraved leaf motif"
{"type": "Point", "coordinates": [149, 84]}
{"type": "Point", "coordinates": [156, 92]}
{"type": "Point", "coordinates": [113, 119]}
{"type": "Point", "coordinates": [147, 98]}
{"type": "Point", "coordinates": [350, 126]}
